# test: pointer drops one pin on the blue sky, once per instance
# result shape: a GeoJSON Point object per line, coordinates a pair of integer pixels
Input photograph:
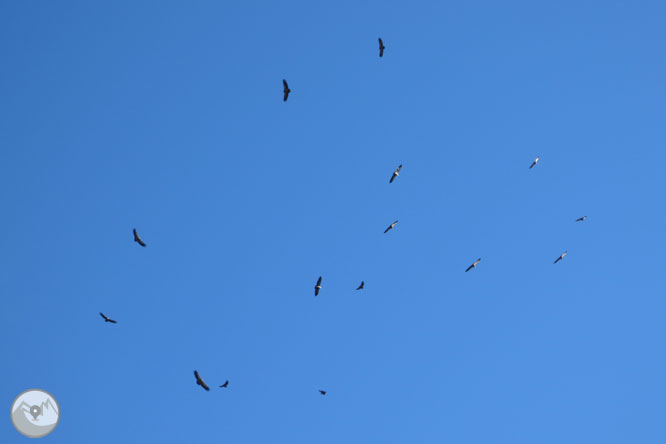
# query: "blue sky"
{"type": "Point", "coordinates": [168, 117]}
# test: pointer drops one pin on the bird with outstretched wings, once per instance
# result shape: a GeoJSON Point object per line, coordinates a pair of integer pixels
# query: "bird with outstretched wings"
{"type": "Point", "coordinates": [381, 47]}
{"type": "Point", "coordinates": [226, 384]}
{"type": "Point", "coordinates": [390, 227]}
{"type": "Point", "coordinates": [560, 258]}
{"type": "Point", "coordinates": [395, 173]}
{"type": "Point", "coordinates": [476, 262]}
{"type": "Point", "coordinates": [581, 219]}
{"type": "Point", "coordinates": [318, 286]}
{"type": "Point", "coordinates": [535, 162]}
{"type": "Point", "coordinates": [360, 287]}
{"type": "Point", "coordinates": [286, 90]}
{"type": "Point", "coordinates": [201, 381]}
{"type": "Point", "coordinates": [107, 319]}
{"type": "Point", "coordinates": [137, 239]}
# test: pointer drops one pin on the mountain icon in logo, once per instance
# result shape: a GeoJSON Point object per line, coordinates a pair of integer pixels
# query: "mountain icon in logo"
{"type": "Point", "coordinates": [35, 413]}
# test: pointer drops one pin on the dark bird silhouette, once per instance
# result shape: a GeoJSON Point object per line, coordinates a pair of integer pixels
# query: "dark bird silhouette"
{"type": "Point", "coordinates": [581, 219]}
{"type": "Point", "coordinates": [286, 90]}
{"type": "Point", "coordinates": [226, 384]}
{"type": "Point", "coordinates": [138, 239]}
{"type": "Point", "coordinates": [390, 227]}
{"type": "Point", "coordinates": [107, 319]}
{"type": "Point", "coordinates": [476, 262]}
{"type": "Point", "coordinates": [395, 173]}
{"type": "Point", "coordinates": [318, 286]}
{"type": "Point", "coordinates": [360, 287]}
{"type": "Point", "coordinates": [560, 258]}
{"type": "Point", "coordinates": [535, 162]}
{"type": "Point", "coordinates": [201, 381]}
{"type": "Point", "coordinates": [323, 392]}
{"type": "Point", "coordinates": [381, 48]}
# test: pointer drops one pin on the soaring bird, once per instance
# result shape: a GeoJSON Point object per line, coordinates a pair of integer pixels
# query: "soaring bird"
{"type": "Point", "coordinates": [381, 48]}
{"type": "Point", "coordinates": [581, 219]}
{"type": "Point", "coordinates": [226, 384]}
{"type": "Point", "coordinates": [107, 319]}
{"type": "Point", "coordinates": [286, 90]}
{"type": "Point", "coordinates": [138, 239]}
{"type": "Point", "coordinates": [318, 286]}
{"type": "Point", "coordinates": [360, 287]}
{"type": "Point", "coordinates": [560, 258]}
{"type": "Point", "coordinates": [395, 173]}
{"type": "Point", "coordinates": [390, 227]}
{"type": "Point", "coordinates": [476, 262]}
{"type": "Point", "coordinates": [323, 392]}
{"type": "Point", "coordinates": [201, 381]}
{"type": "Point", "coordinates": [535, 162]}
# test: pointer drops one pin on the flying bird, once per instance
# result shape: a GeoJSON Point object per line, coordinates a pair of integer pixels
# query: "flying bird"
{"type": "Point", "coordinates": [535, 162]}
{"type": "Point", "coordinates": [107, 319]}
{"type": "Point", "coordinates": [201, 381]}
{"type": "Point", "coordinates": [286, 90]}
{"type": "Point", "coordinates": [390, 227]}
{"type": "Point", "coordinates": [138, 239]}
{"type": "Point", "coordinates": [560, 258]}
{"type": "Point", "coordinates": [318, 286]}
{"type": "Point", "coordinates": [323, 392]}
{"type": "Point", "coordinates": [581, 219]}
{"type": "Point", "coordinates": [360, 287]}
{"type": "Point", "coordinates": [395, 173]}
{"type": "Point", "coordinates": [476, 262]}
{"type": "Point", "coordinates": [381, 48]}
{"type": "Point", "coordinates": [226, 384]}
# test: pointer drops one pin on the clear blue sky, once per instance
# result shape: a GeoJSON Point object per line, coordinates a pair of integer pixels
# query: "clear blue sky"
{"type": "Point", "coordinates": [168, 117]}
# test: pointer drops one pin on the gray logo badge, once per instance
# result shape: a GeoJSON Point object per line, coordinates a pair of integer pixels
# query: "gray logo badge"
{"type": "Point", "coordinates": [35, 413]}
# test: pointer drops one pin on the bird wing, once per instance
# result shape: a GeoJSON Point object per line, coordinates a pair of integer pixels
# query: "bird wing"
{"type": "Point", "coordinates": [558, 259]}
{"type": "Point", "coordinates": [533, 163]}
{"type": "Point", "coordinates": [286, 90]}
{"type": "Point", "coordinates": [112, 321]}
{"type": "Point", "coordinates": [389, 227]}
{"type": "Point", "coordinates": [469, 268]}
{"type": "Point", "coordinates": [138, 239]}
{"type": "Point", "coordinates": [398, 169]}
{"type": "Point", "coordinates": [103, 315]}
{"type": "Point", "coordinates": [381, 48]}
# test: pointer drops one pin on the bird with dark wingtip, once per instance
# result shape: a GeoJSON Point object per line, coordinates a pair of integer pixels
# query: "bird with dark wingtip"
{"type": "Point", "coordinates": [285, 90]}
{"type": "Point", "coordinates": [107, 319]}
{"type": "Point", "coordinates": [137, 239]}
{"type": "Point", "coordinates": [535, 162]}
{"type": "Point", "coordinates": [360, 287]}
{"type": "Point", "coordinates": [201, 381]}
{"type": "Point", "coordinates": [560, 258]}
{"type": "Point", "coordinates": [581, 219]}
{"type": "Point", "coordinates": [476, 262]}
{"type": "Point", "coordinates": [318, 286]}
{"type": "Point", "coordinates": [395, 173]}
{"type": "Point", "coordinates": [390, 227]}
{"type": "Point", "coordinates": [225, 385]}
{"type": "Point", "coordinates": [381, 47]}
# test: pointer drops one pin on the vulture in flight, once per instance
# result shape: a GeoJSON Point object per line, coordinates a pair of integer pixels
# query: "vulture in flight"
{"type": "Point", "coordinates": [107, 319]}
{"type": "Point", "coordinates": [476, 262]}
{"type": "Point", "coordinates": [201, 381]}
{"type": "Point", "coordinates": [226, 384]}
{"type": "Point", "coordinates": [318, 286]}
{"type": "Point", "coordinates": [395, 173]}
{"type": "Point", "coordinates": [390, 227]}
{"type": "Point", "coordinates": [360, 287]}
{"type": "Point", "coordinates": [535, 162]}
{"type": "Point", "coordinates": [286, 90]}
{"type": "Point", "coordinates": [323, 392]}
{"type": "Point", "coordinates": [560, 258]}
{"type": "Point", "coordinates": [581, 219]}
{"type": "Point", "coordinates": [137, 239]}
{"type": "Point", "coordinates": [381, 47]}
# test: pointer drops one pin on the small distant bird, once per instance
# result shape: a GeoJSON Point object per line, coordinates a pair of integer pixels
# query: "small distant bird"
{"type": "Point", "coordinates": [390, 227]}
{"type": "Point", "coordinates": [395, 173]}
{"type": "Point", "coordinates": [560, 258]}
{"type": "Point", "coordinates": [581, 219]}
{"type": "Point", "coordinates": [138, 239]}
{"type": "Point", "coordinates": [107, 319]}
{"type": "Point", "coordinates": [381, 48]}
{"type": "Point", "coordinates": [226, 384]}
{"type": "Point", "coordinates": [318, 286]}
{"type": "Point", "coordinates": [201, 381]}
{"type": "Point", "coordinates": [360, 287]}
{"type": "Point", "coordinates": [286, 90]}
{"type": "Point", "coordinates": [535, 162]}
{"type": "Point", "coordinates": [476, 262]}
{"type": "Point", "coordinates": [323, 392]}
